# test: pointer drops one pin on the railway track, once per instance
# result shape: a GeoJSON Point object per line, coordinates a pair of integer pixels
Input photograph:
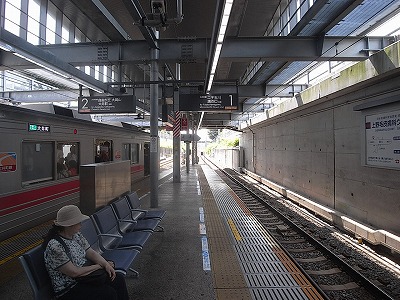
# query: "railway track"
{"type": "Point", "coordinates": [341, 268]}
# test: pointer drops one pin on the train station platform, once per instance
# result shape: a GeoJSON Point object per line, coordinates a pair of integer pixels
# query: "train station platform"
{"type": "Point", "coordinates": [212, 248]}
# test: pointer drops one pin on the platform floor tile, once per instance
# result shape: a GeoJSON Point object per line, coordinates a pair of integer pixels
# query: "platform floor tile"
{"type": "Point", "coordinates": [267, 271]}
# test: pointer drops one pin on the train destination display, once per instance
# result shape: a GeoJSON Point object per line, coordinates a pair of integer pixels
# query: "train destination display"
{"type": "Point", "coordinates": [201, 102]}
{"type": "Point", "coordinates": [107, 104]}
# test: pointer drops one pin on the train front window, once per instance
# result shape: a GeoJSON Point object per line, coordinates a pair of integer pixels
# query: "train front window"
{"type": "Point", "coordinates": [37, 162]}
{"type": "Point", "coordinates": [67, 159]}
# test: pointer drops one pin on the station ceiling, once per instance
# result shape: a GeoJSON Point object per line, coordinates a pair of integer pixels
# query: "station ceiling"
{"type": "Point", "coordinates": [259, 57]}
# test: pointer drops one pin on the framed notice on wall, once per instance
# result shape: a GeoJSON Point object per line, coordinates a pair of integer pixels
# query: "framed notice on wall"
{"type": "Point", "coordinates": [382, 139]}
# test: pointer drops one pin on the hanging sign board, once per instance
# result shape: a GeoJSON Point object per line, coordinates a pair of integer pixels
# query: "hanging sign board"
{"type": "Point", "coordinates": [201, 102]}
{"type": "Point", "coordinates": [382, 136]}
{"type": "Point", "coordinates": [107, 104]}
{"type": "Point", "coordinates": [187, 137]}
{"type": "Point", "coordinates": [184, 124]}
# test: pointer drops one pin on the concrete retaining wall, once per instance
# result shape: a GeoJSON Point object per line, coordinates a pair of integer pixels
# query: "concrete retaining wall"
{"type": "Point", "coordinates": [316, 149]}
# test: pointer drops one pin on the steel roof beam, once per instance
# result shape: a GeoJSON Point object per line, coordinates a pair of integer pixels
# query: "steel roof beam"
{"type": "Point", "coordinates": [217, 117]}
{"type": "Point", "coordinates": [234, 49]}
{"type": "Point", "coordinates": [111, 19]}
{"type": "Point", "coordinates": [303, 48]}
{"type": "Point", "coordinates": [260, 91]}
{"type": "Point", "coordinates": [65, 95]}
{"type": "Point", "coordinates": [136, 11]}
{"type": "Point", "coordinates": [49, 61]}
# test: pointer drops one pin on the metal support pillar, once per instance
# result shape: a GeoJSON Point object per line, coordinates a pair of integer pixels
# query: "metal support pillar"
{"type": "Point", "coordinates": [194, 147]}
{"type": "Point", "coordinates": [192, 126]}
{"type": "Point", "coordinates": [176, 147]}
{"type": "Point", "coordinates": [154, 139]}
{"type": "Point", "coordinates": [187, 149]}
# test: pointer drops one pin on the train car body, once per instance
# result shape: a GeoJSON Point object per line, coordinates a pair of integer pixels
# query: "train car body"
{"type": "Point", "coordinates": [40, 155]}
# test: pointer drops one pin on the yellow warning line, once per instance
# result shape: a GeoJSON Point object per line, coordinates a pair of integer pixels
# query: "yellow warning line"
{"type": "Point", "coordinates": [297, 275]}
{"type": "Point", "coordinates": [20, 252]}
{"type": "Point", "coordinates": [235, 232]}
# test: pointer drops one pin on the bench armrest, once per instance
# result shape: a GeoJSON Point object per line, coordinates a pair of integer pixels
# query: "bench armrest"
{"type": "Point", "coordinates": [110, 235]}
{"type": "Point", "coordinates": [127, 221]}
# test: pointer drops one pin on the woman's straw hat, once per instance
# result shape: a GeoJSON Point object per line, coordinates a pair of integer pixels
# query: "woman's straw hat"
{"type": "Point", "coordinates": [69, 215]}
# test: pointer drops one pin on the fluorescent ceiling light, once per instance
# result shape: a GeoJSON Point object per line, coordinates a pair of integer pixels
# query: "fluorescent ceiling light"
{"type": "Point", "coordinates": [221, 35]}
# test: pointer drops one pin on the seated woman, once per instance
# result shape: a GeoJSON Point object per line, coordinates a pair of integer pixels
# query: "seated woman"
{"type": "Point", "coordinates": [66, 265]}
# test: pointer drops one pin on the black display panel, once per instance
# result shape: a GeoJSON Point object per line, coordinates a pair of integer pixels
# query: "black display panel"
{"type": "Point", "coordinates": [107, 104]}
{"type": "Point", "coordinates": [201, 102]}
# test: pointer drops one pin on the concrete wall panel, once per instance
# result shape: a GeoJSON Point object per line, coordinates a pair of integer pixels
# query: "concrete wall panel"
{"type": "Point", "coordinates": [317, 152]}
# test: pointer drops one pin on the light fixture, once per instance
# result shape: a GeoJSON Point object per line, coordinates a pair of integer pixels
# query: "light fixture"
{"type": "Point", "coordinates": [201, 120]}
{"type": "Point", "coordinates": [221, 35]}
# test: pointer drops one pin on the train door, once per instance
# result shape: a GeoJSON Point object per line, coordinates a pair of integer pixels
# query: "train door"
{"type": "Point", "coordinates": [146, 160]}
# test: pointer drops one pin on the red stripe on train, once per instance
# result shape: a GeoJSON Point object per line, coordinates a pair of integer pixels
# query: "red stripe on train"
{"type": "Point", "coordinates": [137, 168]}
{"type": "Point", "coordinates": [16, 202]}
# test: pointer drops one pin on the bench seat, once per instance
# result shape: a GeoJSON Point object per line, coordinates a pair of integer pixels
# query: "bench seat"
{"type": "Point", "coordinates": [33, 264]}
{"type": "Point", "coordinates": [111, 237]}
{"type": "Point", "coordinates": [134, 203]}
{"type": "Point", "coordinates": [129, 220]}
{"type": "Point", "coordinates": [122, 258]}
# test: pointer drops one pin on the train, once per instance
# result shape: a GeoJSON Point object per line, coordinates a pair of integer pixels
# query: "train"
{"type": "Point", "coordinates": [40, 156]}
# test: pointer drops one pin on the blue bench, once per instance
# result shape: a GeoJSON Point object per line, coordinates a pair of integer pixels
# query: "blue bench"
{"type": "Point", "coordinates": [129, 220]}
{"type": "Point", "coordinates": [134, 203]}
{"type": "Point", "coordinates": [110, 235]}
{"type": "Point", "coordinates": [35, 269]}
{"type": "Point", "coordinates": [118, 233]}
{"type": "Point", "coordinates": [122, 258]}
{"type": "Point", "coordinates": [33, 263]}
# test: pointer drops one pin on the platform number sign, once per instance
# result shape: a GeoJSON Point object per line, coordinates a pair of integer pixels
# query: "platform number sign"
{"type": "Point", "coordinates": [107, 104]}
{"type": "Point", "coordinates": [215, 102]}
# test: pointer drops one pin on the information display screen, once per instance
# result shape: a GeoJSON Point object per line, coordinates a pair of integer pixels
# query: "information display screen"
{"type": "Point", "coordinates": [201, 102]}
{"type": "Point", "coordinates": [107, 104]}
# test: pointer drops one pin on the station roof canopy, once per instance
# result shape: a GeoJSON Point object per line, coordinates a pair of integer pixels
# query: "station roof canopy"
{"type": "Point", "coordinates": [261, 51]}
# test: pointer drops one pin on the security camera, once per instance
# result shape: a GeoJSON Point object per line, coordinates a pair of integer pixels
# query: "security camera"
{"type": "Point", "coordinates": [159, 6]}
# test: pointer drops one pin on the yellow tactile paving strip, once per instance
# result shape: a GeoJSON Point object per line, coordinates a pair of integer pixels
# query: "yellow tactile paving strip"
{"type": "Point", "coordinates": [265, 279]}
{"type": "Point", "coordinates": [229, 282]}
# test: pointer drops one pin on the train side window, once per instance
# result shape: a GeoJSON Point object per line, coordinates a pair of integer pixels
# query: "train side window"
{"type": "Point", "coordinates": [67, 158]}
{"type": "Point", "coordinates": [135, 153]}
{"type": "Point", "coordinates": [131, 152]}
{"type": "Point", "coordinates": [126, 151]}
{"type": "Point", "coordinates": [37, 162]}
{"type": "Point", "coordinates": [103, 151]}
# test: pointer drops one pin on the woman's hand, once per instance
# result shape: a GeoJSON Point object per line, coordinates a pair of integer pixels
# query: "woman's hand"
{"type": "Point", "coordinates": [112, 264]}
{"type": "Point", "coordinates": [110, 270]}
{"type": "Point", "coordinates": [97, 258]}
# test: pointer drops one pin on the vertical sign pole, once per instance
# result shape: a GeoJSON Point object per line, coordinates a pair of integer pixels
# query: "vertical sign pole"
{"type": "Point", "coordinates": [194, 147]}
{"type": "Point", "coordinates": [192, 124]}
{"type": "Point", "coordinates": [187, 146]}
{"type": "Point", "coordinates": [177, 133]}
{"type": "Point", "coordinates": [154, 152]}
